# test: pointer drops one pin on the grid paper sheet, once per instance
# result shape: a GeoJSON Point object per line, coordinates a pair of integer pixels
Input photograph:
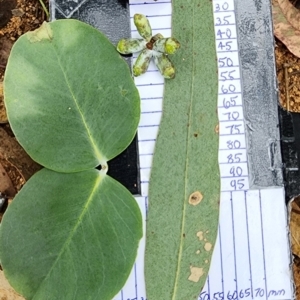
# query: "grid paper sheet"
{"type": "Point", "coordinates": [251, 257]}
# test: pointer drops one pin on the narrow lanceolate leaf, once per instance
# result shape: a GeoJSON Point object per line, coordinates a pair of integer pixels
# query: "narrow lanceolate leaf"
{"type": "Point", "coordinates": [79, 241]}
{"type": "Point", "coordinates": [70, 98]}
{"type": "Point", "coordinates": [184, 187]}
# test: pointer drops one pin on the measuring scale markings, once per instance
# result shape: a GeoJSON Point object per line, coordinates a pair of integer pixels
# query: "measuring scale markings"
{"type": "Point", "coordinates": [232, 155]}
{"type": "Point", "coordinates": [243, 260]}
{"type": "Point", "coordinates": [241, 222]}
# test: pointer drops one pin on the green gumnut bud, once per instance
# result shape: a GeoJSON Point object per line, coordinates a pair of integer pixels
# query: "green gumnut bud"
{"type": "Point", "coordinates": [142, 63]}
{"type": "Point", "coordinates": [128, 46]}
{"type": "Point", "coordinates": [168, 45]}
{"type": "Point", "coordinates": [164, 65]}
{"type": "Point", "coordinates": [157, 37]}
{"type": "Point", "coordinates": [143, 26]}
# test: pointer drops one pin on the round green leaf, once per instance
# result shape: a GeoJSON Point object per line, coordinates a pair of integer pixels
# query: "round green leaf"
{"type": "Point", "coordinates": [70, 98]}
{"type": "Point", "coordinates": [79, 241]}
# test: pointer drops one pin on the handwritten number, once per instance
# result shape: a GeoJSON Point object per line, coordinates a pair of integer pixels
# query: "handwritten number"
{"type": "Point", "coordinates": [234, 158]}
{"type": "Point", "coordinates": [225, 62]}
{"type": "Point", "coordinates": [237, 184]}
{"type": "Point", "coordinates": [243, 293]}
{"type": "Point", "coordinates": [233, 144]}
{"type": "Point", "coordinates": [230, 89]}
{"type": "Point", "coordinates": [234, 129]}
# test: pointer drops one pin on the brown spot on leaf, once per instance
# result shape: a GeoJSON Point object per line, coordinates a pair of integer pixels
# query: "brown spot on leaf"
{"type": "Point", "coordinates": [217, 129]}
{"type": "Point", "coordinates": [195, 134]}
{"type": "Point", "coordinates": [196, 273]}
{"type": "Point", "coordinates": [200, 235]}
{"type": "Point", "coordinates": [208, 246]}
{"type": "Point", "coordinates": [195, 198]}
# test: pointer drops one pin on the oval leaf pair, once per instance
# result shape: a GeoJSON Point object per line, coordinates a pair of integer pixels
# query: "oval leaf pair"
{"type": "Point", "coordinates": [75, 237]}
{"type": "Point", "coordinates": [72, 232]}
{"type": "Point", "coordinates": [70, 98]}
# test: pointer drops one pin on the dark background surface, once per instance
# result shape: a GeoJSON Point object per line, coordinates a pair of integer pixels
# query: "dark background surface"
{"type": "Point", "coordinates": [290, 148]}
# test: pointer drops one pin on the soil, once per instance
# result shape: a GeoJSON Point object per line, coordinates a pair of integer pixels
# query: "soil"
{"type": "Point", "coordinates": [16, 167]}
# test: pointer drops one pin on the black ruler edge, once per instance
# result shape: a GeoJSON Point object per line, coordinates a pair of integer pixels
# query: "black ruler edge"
{"type": "Point", "coordinates": [290, 144]}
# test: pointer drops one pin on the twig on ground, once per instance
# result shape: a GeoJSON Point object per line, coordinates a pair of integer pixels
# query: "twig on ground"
{"type": "Point", "coordinates": [45, 9]}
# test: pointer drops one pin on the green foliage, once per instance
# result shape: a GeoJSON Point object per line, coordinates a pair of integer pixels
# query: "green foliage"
{"type": "Point", "coordinates": [73, 238]}
{"type": "Point", "coordinates": [72, 105]}
{"type": "Point", "coordinates": [71, 101]}
{"type": "Point", "coordinates": [184, 189]}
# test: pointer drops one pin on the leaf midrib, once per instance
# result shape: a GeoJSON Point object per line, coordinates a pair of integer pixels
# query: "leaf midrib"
{"type": "Point", "coordinates": [178, 268]}
{"type": "Point", "coordinates": [98, 180]}
{"type": "Point", "coordinates": [101, 158]}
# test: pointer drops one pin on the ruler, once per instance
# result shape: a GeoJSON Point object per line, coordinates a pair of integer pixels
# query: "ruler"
{"type": "Point", "coordinates": [251, 258]}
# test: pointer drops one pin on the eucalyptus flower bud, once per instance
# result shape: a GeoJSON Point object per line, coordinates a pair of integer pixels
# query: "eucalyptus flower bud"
{"type": "Point", "coordinates": [157, 37]}
{"type": "Point", "coordinates": [143, 26]}
{"type": "Point", "coordinates": [164, 65]}
{"type": "Point", "coordinates": [142, 63]}
{"type": "Point", "coordinates": [168, 45]}
{"type": "Point", "coordinates": [128, 46]}
{"type": "Point", "coordinates": [150, 46]}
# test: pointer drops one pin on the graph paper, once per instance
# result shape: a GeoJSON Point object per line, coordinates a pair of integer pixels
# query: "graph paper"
{"type": "Point", "coordinates": [251, 258]}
